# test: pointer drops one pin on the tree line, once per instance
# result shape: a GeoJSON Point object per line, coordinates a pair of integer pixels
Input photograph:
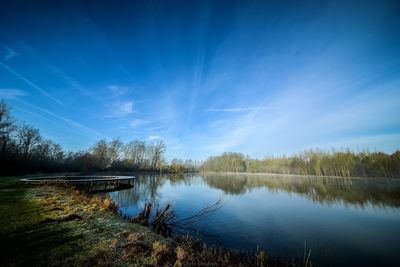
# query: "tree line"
{"type": "Point", "coordinates": [345, 163]}
{"type": "Point", "coordinates": [24, 150]}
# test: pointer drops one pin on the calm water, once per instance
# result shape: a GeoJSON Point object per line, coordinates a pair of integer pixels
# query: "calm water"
{"type": "Point", "coordinates": [343, 221]}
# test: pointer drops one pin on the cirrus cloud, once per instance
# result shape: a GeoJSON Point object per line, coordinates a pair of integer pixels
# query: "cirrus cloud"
{"type": "Point", "coordinates": [11, 93]}
{"type": "Point", "coordinates": [120, 109]}
{"type": "Point", "coordinates": [154, 137]}
{"type": "Point", "coordinates": [9, 53]}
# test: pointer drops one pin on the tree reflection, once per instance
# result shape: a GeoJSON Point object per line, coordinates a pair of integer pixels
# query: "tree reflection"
{"type": "Point", "coordinates": [356, 191]}
{"type": "Point", "coordinates": [382, 192]}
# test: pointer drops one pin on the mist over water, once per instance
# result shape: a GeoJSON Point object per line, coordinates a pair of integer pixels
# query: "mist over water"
{"type": "Point", "coordinates": [344, 221]}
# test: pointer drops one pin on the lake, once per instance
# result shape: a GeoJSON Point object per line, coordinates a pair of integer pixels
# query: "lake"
{"type": "Point", "coordinates": [343, 221]}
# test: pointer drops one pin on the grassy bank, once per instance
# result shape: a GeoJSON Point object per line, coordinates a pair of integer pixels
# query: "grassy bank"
{"type": "Point", "coordinates": [59, 226]}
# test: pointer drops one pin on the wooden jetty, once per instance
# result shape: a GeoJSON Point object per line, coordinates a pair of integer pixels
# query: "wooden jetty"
{"type": "Point", "coordinates": [91, 183]}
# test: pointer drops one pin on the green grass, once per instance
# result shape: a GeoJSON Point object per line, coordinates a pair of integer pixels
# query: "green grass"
{"type": "Point", "coordinates": [16, 211]}
{"type": "Point", "coordinates": [24, 238]}
{"type": "Point", "coordinates": [34, 230]}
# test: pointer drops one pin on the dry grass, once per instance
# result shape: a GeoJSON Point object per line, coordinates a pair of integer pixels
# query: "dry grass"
{"type": "Point", "coordinates": [92, 226]}
{"type": "Point", "coordinates": [105, 239]}
{"type": "Point", "coordinates": [161, 254]}
{"type": "Point", "coordinates": [261, 259]}
{"type": "Point", "coordinates": [102, 203]}
{"type": "Point", "coordinates": [138, 249]}
{"type": "Point", "coordinates": [192, 252]}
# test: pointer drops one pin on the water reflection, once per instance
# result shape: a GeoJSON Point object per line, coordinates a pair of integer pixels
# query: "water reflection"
{"type": "Point", "coordinates": [355, 191]}
{"type": "Point", "coordinates": [359, 191]}
{"type": "Point", "coordinates": [344, 221]}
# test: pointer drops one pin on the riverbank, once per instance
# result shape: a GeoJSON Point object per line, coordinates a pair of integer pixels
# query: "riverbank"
{"type": "Point", "coordinates": [296, 175]}
{"type": "Point", "coordinates": [59, 226]}
{"type": "Point", "coordinates": [49, 225]}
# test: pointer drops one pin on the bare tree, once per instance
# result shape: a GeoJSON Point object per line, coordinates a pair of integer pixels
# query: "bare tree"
{"type": "Point", "coordinates": [156, 153]}
{"type": "Point", "coordinates": [42, 150]}
{"type": "Point", "coordinates": [56, 152]}
{"type": "Point", "coordinates": [100, 153]}
{"type": "Point", "coordinates": [28, 139]}
{"type": "Point", "coordinates": [135, 152]}
{"type": "Point", "coordinates": [114, 151]}
{"type": "Point", "coordinates": [48, 150]}
{"type": "Point", "coordinates": [6, 127]}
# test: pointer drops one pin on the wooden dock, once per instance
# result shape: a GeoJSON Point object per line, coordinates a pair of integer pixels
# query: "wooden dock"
{"type": "Point", "coordinates": [92, 183]}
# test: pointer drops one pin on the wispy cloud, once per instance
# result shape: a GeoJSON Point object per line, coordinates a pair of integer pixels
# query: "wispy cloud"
{"type": "Point", "coordinates": [67, 120]}
{"type": "Point", "coordinates": [238, 109]}
{"type": "Point", "coordinates": [9, 53]}
{"type": "Point", "coordinates": [30, 83]}
{"type": "Point", "coordinates": [11, 93]}
{"type": "Point", "coordinates": [64, 77]}
{"type": "Point", "coordinates": [125, 107]}
{"type": "Point", "coordinates": [41, 117]}
{"type": "Point", "coordinates": [199, 67]}
{"type": "Point", "coordinates": [137, 122]}
{"type": "Point", "coordinates": [118, 90]}
{"type": "Point", "coordinates": [68, 80]}
{"type": "Point", "coordinates": [305, 119]}
{"type": "Point", "coordinates": [120, 109]}
{"type": "Point", "coordinates": [155, 128]}
{"type": "Point", "coordinates": [60, 73]}
{"type": "Point", "coordinates": [154, 137]}
{"type": "Point", "coordinates": [120, 105]}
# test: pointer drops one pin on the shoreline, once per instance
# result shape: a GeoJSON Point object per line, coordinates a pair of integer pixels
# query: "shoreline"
{"type": "Point", "coordinates": [76, 228]}
{"type": "Point", "coordinates": [298, 175]}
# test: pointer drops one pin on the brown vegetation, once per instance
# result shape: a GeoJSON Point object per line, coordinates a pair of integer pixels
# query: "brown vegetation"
{"type": "Point", "coordinates": [97, 236]}
{"type": "Point", "coordinates": [345, 163]}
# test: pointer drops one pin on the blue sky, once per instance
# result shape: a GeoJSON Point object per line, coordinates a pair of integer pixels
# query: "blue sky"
{"type": "Point", "coordinates": [257, 77]}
